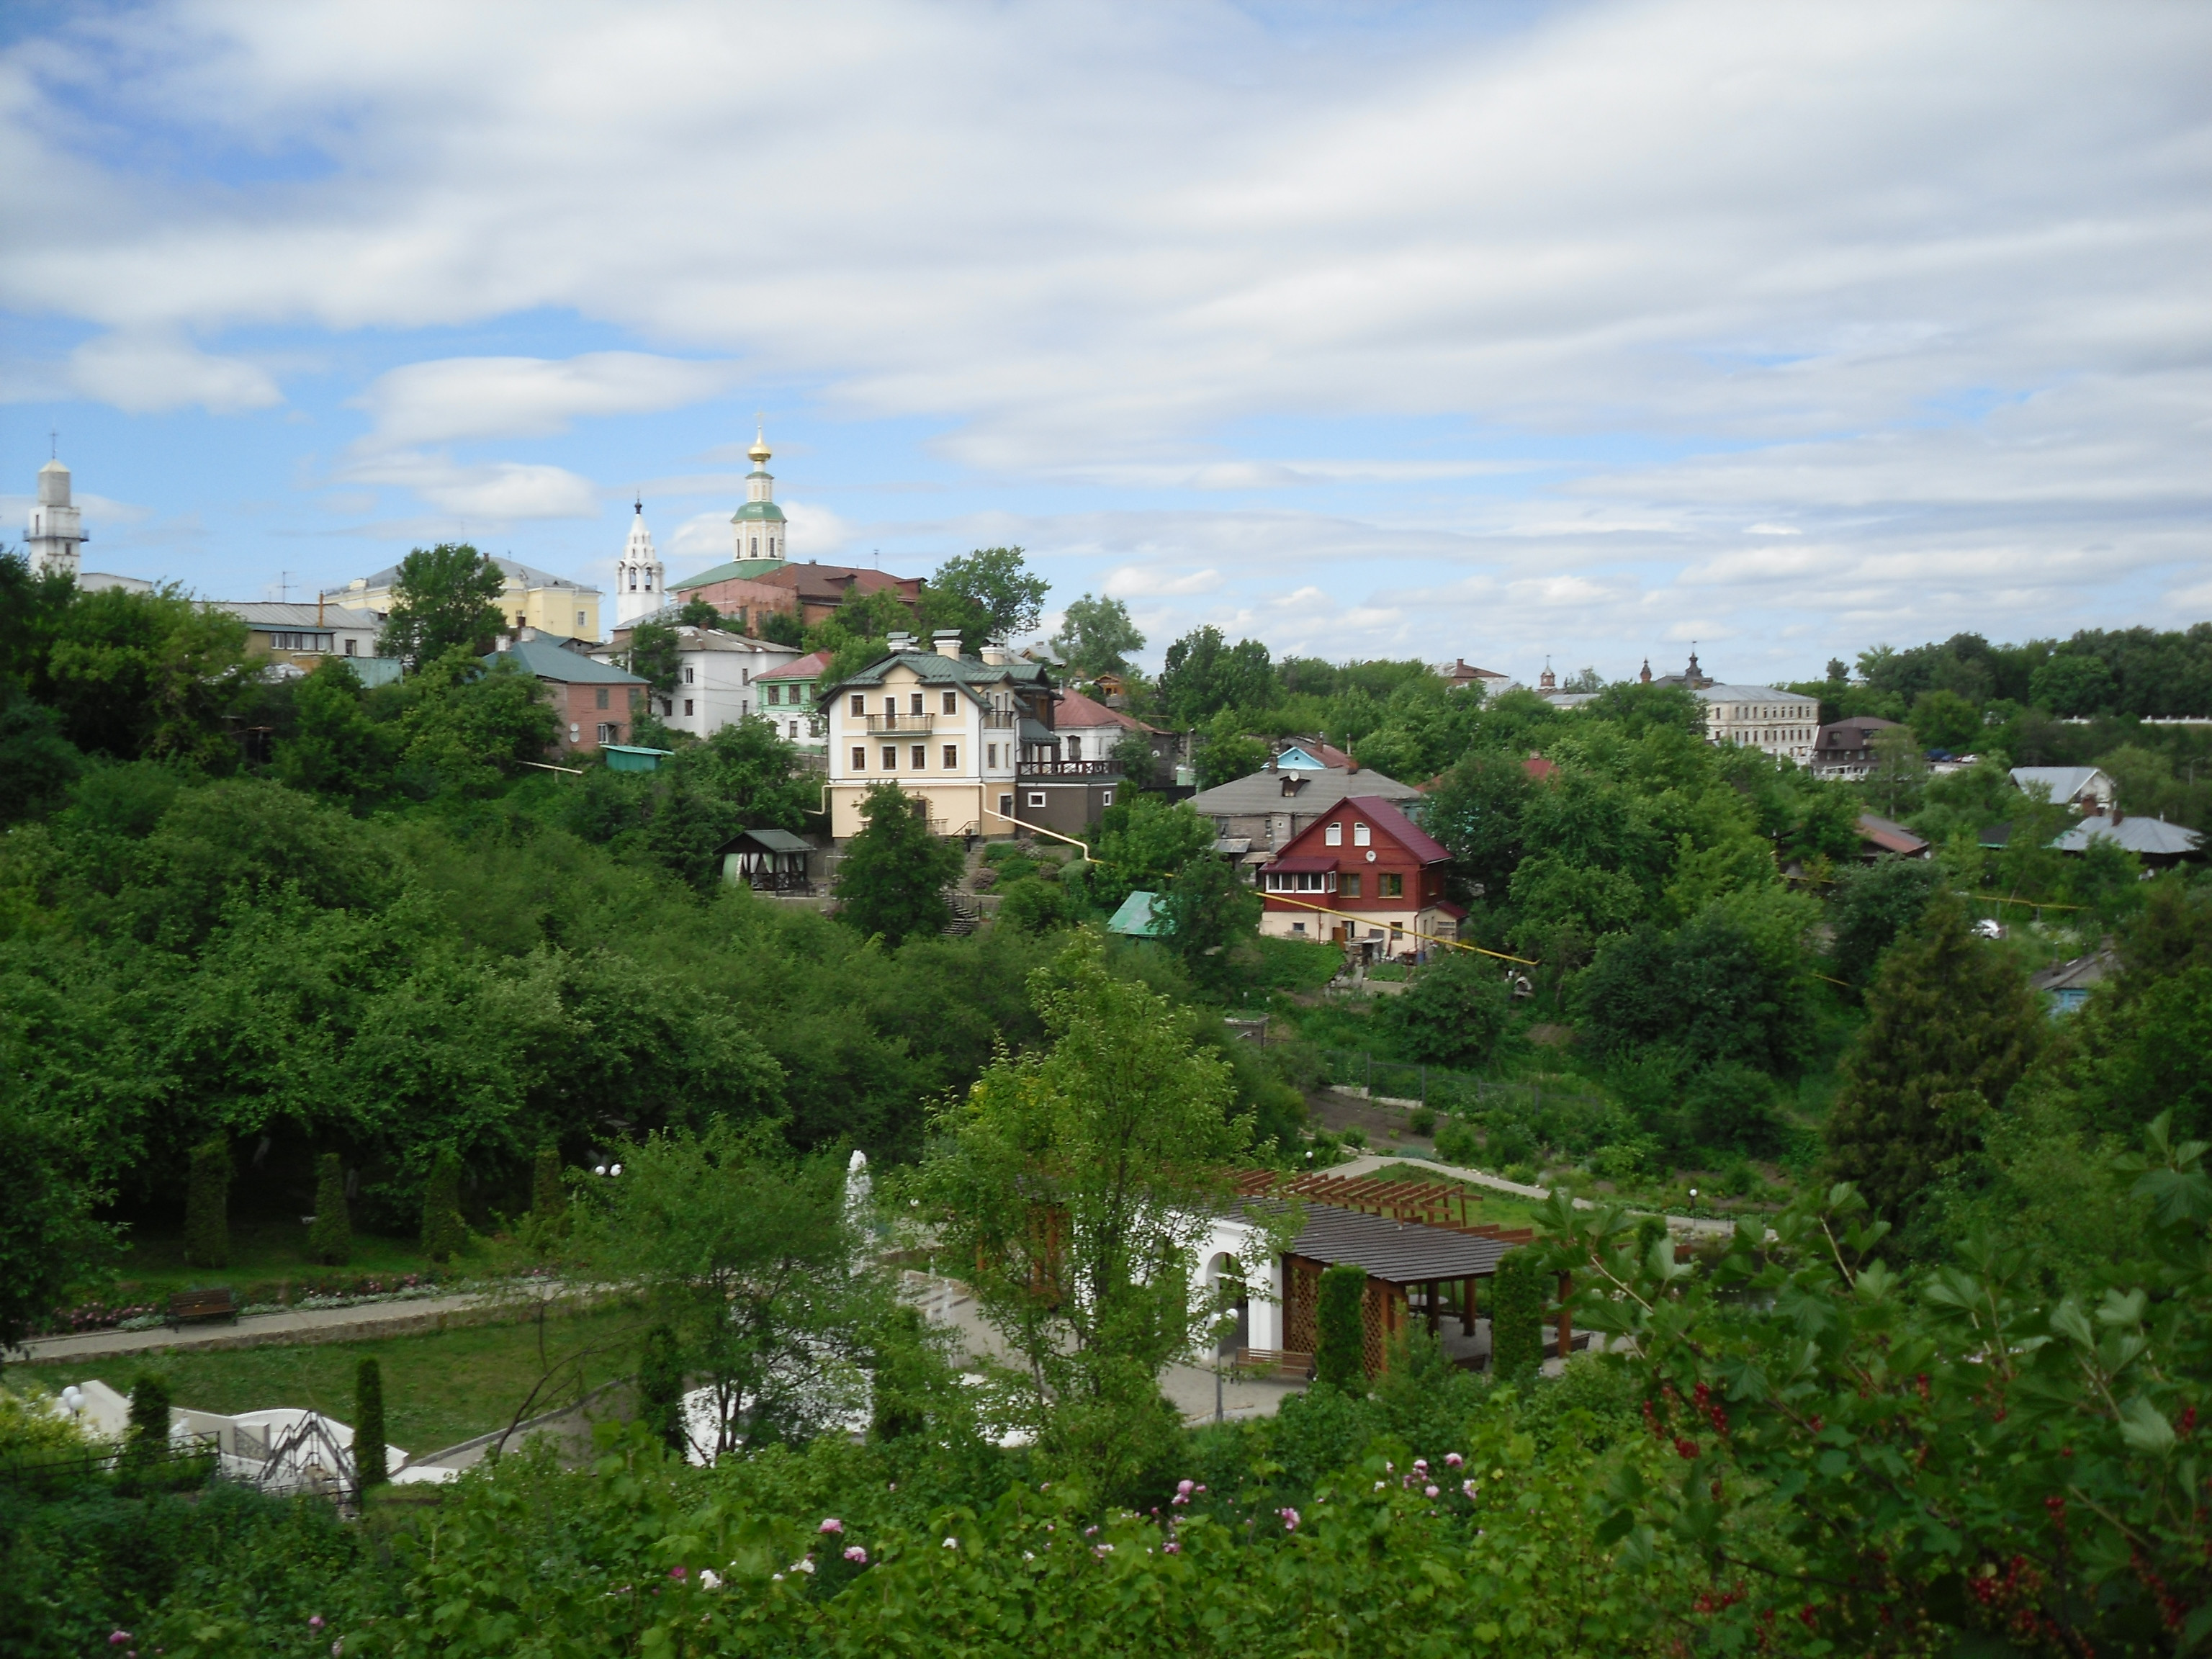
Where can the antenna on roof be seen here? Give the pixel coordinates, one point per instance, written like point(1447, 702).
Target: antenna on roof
point(53, 443)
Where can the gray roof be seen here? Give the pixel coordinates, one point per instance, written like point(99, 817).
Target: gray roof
point(272, 613)
point(2152, 836)
point(1262, 792)
point(776, 841)
point(2078, 975)
point(1397, 1252)
point(549, 661)
point(1752, 694)
point(2066, 783)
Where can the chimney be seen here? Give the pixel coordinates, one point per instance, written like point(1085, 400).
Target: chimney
point(900, 641)
point(996, 655)
point(1351, 763)
point(947, 641)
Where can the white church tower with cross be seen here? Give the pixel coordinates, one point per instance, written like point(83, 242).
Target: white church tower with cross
point(54, 537)
point(640, 584)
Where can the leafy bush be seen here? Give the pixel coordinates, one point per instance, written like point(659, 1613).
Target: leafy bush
point(1032, 906)
point(1458, 1143)
point(1453, 1014)
point(660, 1387)
point(330, 1240)
point(1517, 1315)
point(445, 1234)
point(1340, 1360)
point(1421, 1121)
point(207, 1205)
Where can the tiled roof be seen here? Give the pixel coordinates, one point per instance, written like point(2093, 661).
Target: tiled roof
point(1262, 792)
point(1889, 836)
point(548, 661)
point(1078, 710)
point(808, 667)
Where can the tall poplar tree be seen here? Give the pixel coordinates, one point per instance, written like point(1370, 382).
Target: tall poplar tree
point(1951, 1026)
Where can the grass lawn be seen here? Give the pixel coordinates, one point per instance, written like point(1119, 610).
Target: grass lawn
point(439, 1388)
point(265, 1256)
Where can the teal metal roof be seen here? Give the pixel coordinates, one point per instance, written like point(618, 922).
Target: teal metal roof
point(1138, 917)
point(728, 570)
point(553, 662)
point(633, 758)
point(758, 510)
point(933, 669)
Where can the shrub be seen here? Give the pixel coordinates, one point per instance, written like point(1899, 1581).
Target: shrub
point(329, 1241)
point(1508, 1143)
point(1422, 1121)
point(660, 1388)
point(548, 1202)
point(148, 1435)
point(1516, 1316)
point(1340, 1360)
point(370, 1469)
point(207, 1205)
point(1453, 1015)
point(1457, 1142)
point(1355, 1137)
point(444, 1232)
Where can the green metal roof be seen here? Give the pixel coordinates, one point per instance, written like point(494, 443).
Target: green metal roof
point(1138, 917)
point(767, 510)
point(934, 670)
point(553, 662)
point(728, 570)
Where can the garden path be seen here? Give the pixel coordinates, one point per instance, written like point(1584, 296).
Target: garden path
point(252, 1330)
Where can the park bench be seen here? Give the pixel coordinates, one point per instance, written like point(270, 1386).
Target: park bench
point(202, 1305)
point(1276, 1362)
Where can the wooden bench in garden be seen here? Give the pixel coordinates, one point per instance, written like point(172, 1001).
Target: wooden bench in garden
point(1276, 1362)
point(202, 1305)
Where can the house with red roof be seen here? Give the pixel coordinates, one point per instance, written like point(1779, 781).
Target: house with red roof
point(1086, 729)
point(787, 700)
point(1361, 873)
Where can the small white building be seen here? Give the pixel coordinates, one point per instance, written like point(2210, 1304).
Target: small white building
point(716, 685)
point(2088, 790)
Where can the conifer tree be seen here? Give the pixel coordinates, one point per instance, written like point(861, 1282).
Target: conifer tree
point(329, 1241)
point(444, 1232)
point(370, 1469)
point(1517, 1315)
point(660, 1388)
point(1341, 1358)
point(146, 1438)
point(207, 1205)
point(1951, 1026)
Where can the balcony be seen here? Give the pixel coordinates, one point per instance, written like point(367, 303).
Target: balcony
point(1001, 719)
point(1068, 768)
point(890, 723)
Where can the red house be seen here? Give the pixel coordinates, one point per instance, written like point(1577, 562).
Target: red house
point(1363, 873)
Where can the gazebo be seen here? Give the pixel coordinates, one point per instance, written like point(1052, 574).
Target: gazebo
point(766, 860)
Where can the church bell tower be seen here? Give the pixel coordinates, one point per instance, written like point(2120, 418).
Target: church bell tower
point(55, 532)
point(759, 523)
point(639, 581)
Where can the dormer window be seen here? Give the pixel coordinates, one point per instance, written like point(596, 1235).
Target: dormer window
point(1334, 835)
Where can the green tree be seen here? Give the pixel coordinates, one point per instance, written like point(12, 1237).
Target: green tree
point(1204, 675)
point(1134, 758)
point(1339, 1319)
point(989, 595)
point(334, 748)
point(48, 1240)
point(1097, 637)
point(1899, 772)
point(146, 1440)
point(1475, 811)
point(1951, 1027)
point(745, 1252)
point(1080, 1180)
point(330, 1240)
point(1871, 904)
point(1944, 720)
point(37, 763)
point(653, 657)
point(779, 628)
point(549, 1200)
point(444, 1231)
point(147, 674)
point(660, 1388)
point(371, 1466)
point(2073, 683)
point(701, 613)
point(1455, 1013)
point(1212, 919)
point(465, 727)
point(1519, 1292)
point(892, 878)
point(1033, 905)
point(445, 598)
point(1226, 752)
point(1144, 843)
point(858, 631)
point(207, 1204)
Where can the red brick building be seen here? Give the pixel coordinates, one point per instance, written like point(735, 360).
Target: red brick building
point(745, 589)
point(1362, 873)
point(597, 702)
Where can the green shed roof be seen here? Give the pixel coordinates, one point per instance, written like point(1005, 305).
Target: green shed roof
point(1138, 917)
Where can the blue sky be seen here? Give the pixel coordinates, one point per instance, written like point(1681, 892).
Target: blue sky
point(1508, 332)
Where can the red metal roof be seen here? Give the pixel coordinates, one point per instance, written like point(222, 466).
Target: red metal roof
point(808, 667)
point(1303, 864)
point(1890, 837)
point(1075, 709)
point(1400, 828)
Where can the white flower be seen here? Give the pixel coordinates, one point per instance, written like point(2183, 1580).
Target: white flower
point(952, 1543)
point(709, 1579)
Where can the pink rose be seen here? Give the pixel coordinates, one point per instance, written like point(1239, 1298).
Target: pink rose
point(833, 1524)
point(856, 1555)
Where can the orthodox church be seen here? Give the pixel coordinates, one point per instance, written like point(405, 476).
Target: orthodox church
point(640, 580)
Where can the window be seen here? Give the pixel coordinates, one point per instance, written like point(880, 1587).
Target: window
point(1298, 928)
point(1389, 887)
point(690, 676)
point(755, 547)
point(1302, 881)
point(1005, 806)
point(859, 758)
point(952, 702)
point(774, 696)
point(951, 759)
point(991, 754)
point(1334, 835)
point(687, 710)
point(602, 696)
point(1348, 884)
point(921, 756)
point(1075, 749)
point(1360, 834)
point(794, 730)
point(579, 615)
point(916, 701)
point(890, 758)
point(633, 581)
point(610, 734)
point(349, 646)
point(891, 707)
point(859, 705)
point(1036, 797)
point(1107, 800)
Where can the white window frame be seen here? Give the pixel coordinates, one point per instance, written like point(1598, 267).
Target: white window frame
point(1038, 797)
point(1361, 836)
point(1332, 835)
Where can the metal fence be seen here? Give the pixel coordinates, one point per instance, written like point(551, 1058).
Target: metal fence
point(188, 1462)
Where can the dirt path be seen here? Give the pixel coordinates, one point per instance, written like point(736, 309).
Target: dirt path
point(292, 1325)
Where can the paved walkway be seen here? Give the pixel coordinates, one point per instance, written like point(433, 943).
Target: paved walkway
point(1376, 1162)
point(430, 1313)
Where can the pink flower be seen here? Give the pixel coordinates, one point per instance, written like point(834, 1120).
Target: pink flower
point(1185, 1487)
point(833, 1524)
point(1171, 1547)
point(678, 1573)
point(1428, 1492)
point(1468, 1487)
point(1179, 1498)
point(118, 1638)
point(856, 1555)
point(1290, 1519)
point(1420, 1465)
point(1198, 1488)
point(315, 1621)
point(1453, 1459)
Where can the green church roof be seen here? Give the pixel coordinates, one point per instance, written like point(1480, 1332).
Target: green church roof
point(761, 512)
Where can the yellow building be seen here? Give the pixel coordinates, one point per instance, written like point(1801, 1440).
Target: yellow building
point(533, 599)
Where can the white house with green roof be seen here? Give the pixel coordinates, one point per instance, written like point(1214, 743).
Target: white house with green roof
point(969, 739)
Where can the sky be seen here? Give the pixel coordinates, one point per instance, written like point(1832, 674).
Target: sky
point(1515, 332)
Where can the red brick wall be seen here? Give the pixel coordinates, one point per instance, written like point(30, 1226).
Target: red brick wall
point(578, 706)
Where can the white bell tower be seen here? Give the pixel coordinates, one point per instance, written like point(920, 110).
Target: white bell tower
point(55, 532)
point(640, 582)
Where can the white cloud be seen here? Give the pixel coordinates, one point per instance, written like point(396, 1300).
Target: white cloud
point(1136, 581)
point(152, 372)
point(496, 490)
point(458, 398)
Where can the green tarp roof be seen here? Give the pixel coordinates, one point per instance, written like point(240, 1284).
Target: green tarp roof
point(1138, 917)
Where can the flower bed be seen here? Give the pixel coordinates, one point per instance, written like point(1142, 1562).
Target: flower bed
point(330, 1290)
